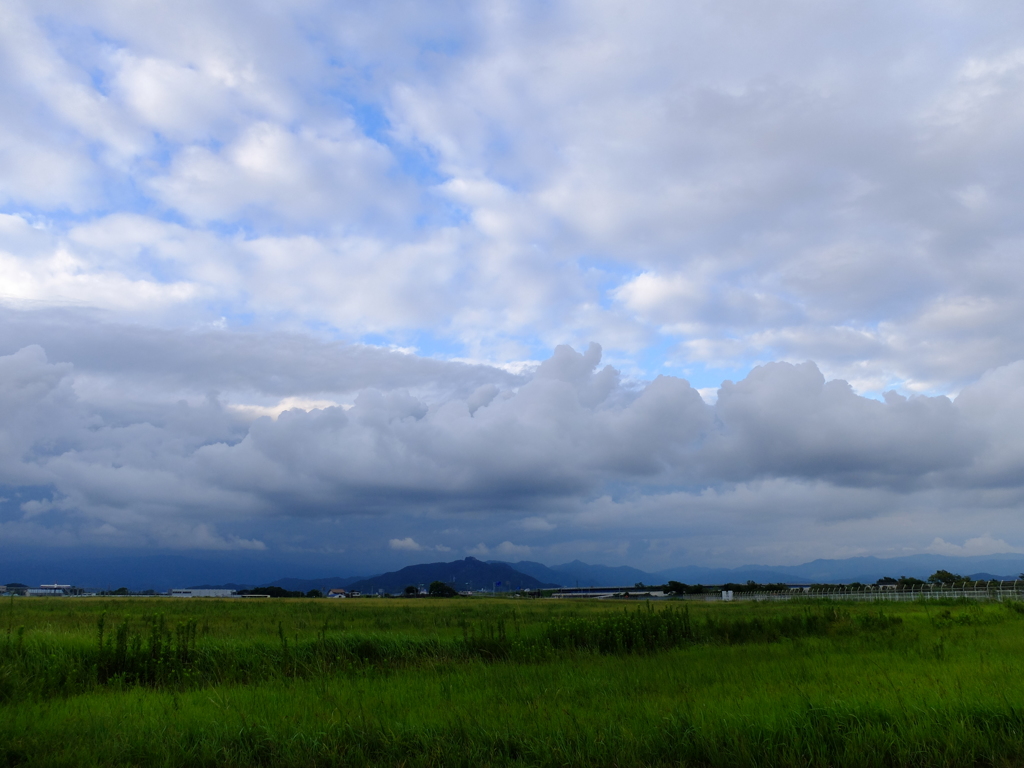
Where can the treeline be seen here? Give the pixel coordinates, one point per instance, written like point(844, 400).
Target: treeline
point(436, 589)
point(940, 578)
point(679, 588)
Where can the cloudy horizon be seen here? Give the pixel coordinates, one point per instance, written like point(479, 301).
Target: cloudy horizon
point(381, 284)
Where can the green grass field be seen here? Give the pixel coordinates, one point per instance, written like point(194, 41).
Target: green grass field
point(508, 682)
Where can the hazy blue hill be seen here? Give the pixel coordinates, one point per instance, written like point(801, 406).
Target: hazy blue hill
point(539, 571)
point(578, 572)
point(585, 575)
point(324, 584)
point(110, 569)
point(462, 574)
point(695, 574)
point(862, 569)
point(293, 585)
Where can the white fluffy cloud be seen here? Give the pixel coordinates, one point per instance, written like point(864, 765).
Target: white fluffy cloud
point(407, 544)
point(335, 175)
point(979, 545)
point(723, 185)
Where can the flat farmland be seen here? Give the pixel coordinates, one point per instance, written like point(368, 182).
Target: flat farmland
point(434, 682)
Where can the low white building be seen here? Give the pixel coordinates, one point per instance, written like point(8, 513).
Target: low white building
point(203, 593)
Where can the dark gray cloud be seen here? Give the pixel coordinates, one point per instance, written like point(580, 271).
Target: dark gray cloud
point(538, 461)
point(267, 363)
point(785, 420)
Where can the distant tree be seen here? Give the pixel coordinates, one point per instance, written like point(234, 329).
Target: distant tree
point(750, 586)
point(314, 593)
point(909, 581)
point(440, 589)
point(885, 580)
point(411, 591)
point(679, 588)
point(120, 591)
point(945, 577)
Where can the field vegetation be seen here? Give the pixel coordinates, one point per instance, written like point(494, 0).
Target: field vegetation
point(121, 681)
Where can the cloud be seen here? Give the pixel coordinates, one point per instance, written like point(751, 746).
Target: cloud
point(204, 537)
point(779, 187)
point(36, 268)
point(216, 214)
point(779, 448)
point(786, 420)
point(406, 545)
point(409, 545)
point(508, 549)
point(980, 545)
point(180, 101)
point(277, 364)
point(537, 524)
point(269, 172)
point(571, 428)
point(287, 404)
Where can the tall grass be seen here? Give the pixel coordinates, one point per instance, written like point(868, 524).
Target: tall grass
point(516, 684)
point(150, 652)
point(819, 701)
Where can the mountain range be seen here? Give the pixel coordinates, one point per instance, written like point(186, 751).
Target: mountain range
point(863, 569)
point(580, 574)
point(162, 572)
point(474, 574)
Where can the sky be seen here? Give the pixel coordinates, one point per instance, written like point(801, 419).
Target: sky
point(367, 284)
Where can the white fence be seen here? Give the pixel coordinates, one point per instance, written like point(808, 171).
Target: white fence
point(996, 591)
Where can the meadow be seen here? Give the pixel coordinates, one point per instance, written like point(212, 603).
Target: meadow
point(434, 682)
